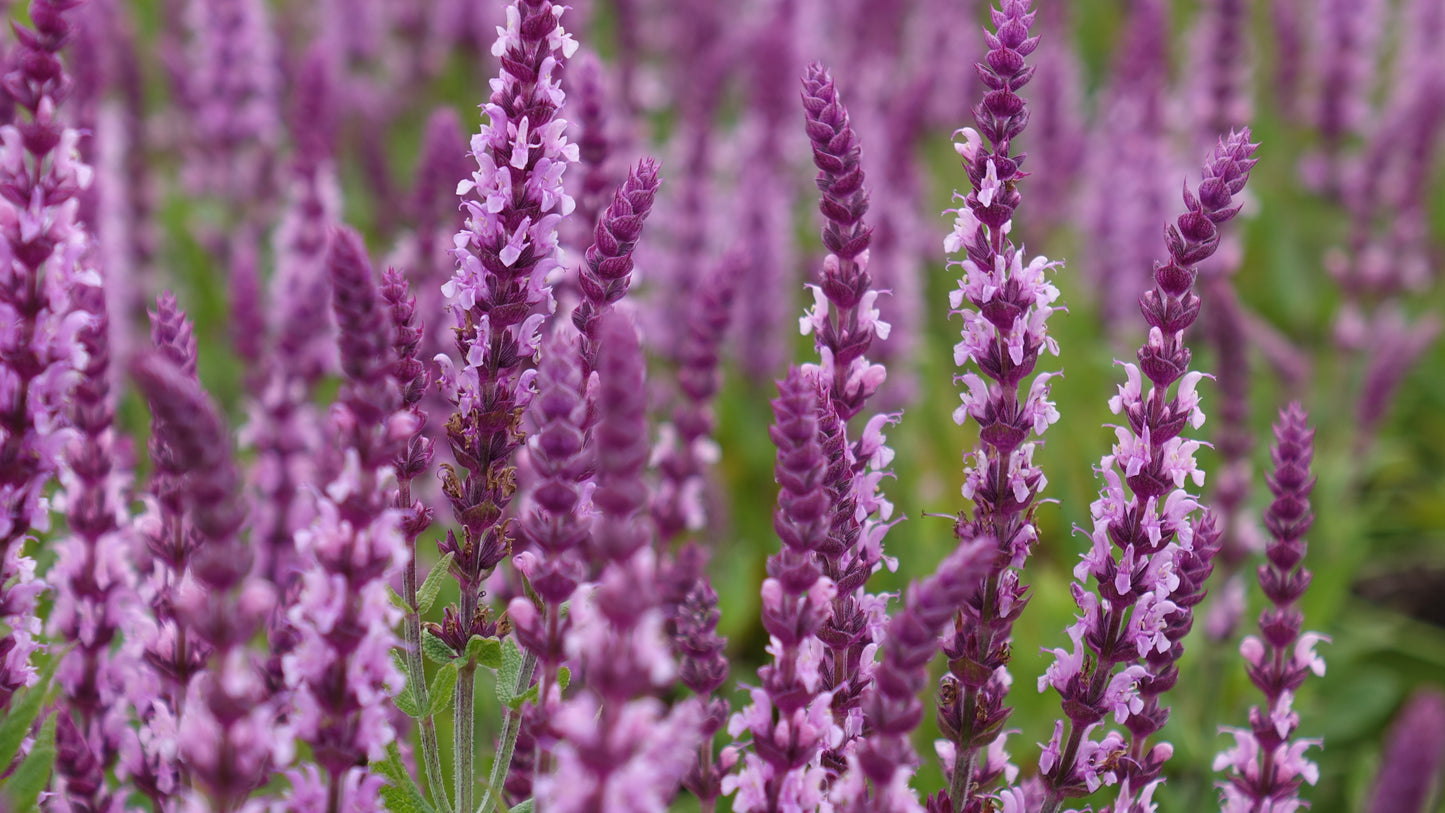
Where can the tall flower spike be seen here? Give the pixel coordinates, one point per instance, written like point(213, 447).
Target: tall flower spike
point(844, 321)
point(231, 85)
point(678, 504)
point(340, 670)
point(886, 757)
point(789, 716)
point(94, 579)
point(284, 428)
point(1145, 523)
point(497, 298)
point(41, 266)
point(1005, 301)
point(618, 748)
point(1266, 766)
point(157, 638)
point(554, 518)
point(607, 272)
point(225, 735)
point(1414, 759)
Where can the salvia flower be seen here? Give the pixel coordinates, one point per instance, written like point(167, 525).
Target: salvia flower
point(618, 748)
point(514, 201)
point(886, 757)
point(1267, 764)
point(225, 735)
point(554, 520)
point(232, 86)
point(1144, 520)
point(95, 579)
point(844, 321)
point(790, 718)
point(1414, 758)
point(607, 272)
point(157, 636)
point(1005, 301)
point(284, 428)
point(340, 670)
point(41, 267)
point(687, 445)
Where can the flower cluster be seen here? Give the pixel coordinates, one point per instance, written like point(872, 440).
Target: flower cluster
point(891, 707)
point(504, 254)
point(1145, 522)
point(1005, 302)
point(790, 719)
point(42, 266)
point(844, 322)
point(340, 670)
point(618, 747)
point(1266, 766)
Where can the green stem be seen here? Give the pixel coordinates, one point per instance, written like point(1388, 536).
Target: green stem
point(464, 764)
point(416, 679)
point(511, 727)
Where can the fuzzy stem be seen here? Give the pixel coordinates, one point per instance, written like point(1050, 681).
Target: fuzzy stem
point(511, 727)
point(464, 762)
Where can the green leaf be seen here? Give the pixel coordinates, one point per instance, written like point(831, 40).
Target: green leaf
point(401, 793)
point(427, 593)
point(24, 786)
point(398, 800)
point(485, 651)
point(523, 807)
point(507, 672)
point(397, 599)
point(406, 701)
point(435, 649)
point(564, 677)
point(442, 687)
point(24, 710)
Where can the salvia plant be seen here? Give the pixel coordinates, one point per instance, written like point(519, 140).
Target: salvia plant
point(361, 453)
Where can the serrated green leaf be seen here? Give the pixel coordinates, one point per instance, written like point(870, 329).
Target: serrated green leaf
point(485, 651)
point(24, 710)
point(523, 807)
point(24, 786)
point(435, 649)
point(397, 599)
point(401, 793)
point(427, 593)
point(406, 701)
point(507, 673)
point(564, 678)
point(398, 800)
point(442, 687)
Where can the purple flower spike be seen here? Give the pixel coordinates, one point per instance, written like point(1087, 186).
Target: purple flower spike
point(231, 84)
point(1149, 546)
point(617, 747)
point(688, 447)
point(1005, 301)
point(608, 271)
point(41, 267)
point(1266, 766)
point(514, 201)
point(227, 753)
point(340, 670)
point(158, 638)
point(1414, 758)
point(886, 757)
point(554, 522)
point(790, 718)
point(844, 337)
point(844, 320)
point(94, 579)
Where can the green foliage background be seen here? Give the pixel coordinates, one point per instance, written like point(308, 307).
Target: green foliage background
point(1378, 512)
